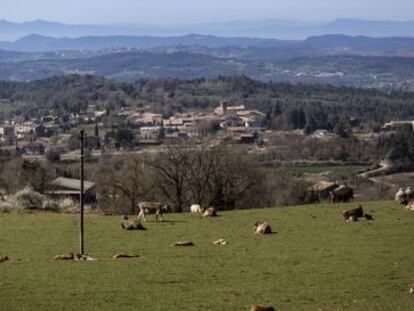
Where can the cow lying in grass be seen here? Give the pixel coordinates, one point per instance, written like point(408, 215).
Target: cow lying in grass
point(355, 213)
point(210, 212)
point(4, 259)
point(126, 224)
point(261, 308)
point(68, 256)
point(156, 207)
point(262, 228)
point(71, 256)
point(410, 205)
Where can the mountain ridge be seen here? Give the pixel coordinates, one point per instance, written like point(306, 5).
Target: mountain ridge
point(40, 43)
point(267, 28)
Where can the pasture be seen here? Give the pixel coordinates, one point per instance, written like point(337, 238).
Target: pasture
point(315, 261)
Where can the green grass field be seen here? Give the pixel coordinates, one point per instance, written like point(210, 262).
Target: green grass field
point(315, 261)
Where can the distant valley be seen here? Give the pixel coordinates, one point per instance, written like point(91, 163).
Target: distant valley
point(384, 63)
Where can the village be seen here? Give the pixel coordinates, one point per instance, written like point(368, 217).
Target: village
point(54, 134)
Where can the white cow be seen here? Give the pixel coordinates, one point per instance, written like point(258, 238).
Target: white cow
point(400, 195)
point(195, 208)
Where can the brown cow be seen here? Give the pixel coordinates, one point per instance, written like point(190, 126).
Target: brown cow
point(4, 259)
point(68, 256)
point(353, 214)
point(261, 308)
point(262, 228)
point(342, 194)
point(132, 225)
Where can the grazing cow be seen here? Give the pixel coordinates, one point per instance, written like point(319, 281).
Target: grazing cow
point(159, 208)
point(353, 214)
point(262, 228)
point(401, 197)
point(210, 212)
point(195, 208)
point(68, 256)
point(261, 308)
point(342, 194)
point(412, 289)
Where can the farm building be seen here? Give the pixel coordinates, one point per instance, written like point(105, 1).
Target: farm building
point(62, 188)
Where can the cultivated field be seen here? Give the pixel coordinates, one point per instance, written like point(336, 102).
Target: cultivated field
point(316, 261)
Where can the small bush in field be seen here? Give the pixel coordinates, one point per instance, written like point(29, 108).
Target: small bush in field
point(27, 199)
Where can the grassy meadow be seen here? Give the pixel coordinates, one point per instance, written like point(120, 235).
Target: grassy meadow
point(315, 261)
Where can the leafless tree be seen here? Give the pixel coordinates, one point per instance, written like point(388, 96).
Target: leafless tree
point(127, 178)
point(170, 173)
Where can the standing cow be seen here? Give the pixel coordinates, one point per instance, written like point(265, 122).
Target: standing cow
point(158, 208)
point(195, 208)
point(342, 194)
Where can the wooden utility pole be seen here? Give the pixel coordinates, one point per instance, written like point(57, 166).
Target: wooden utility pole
point(81, 228)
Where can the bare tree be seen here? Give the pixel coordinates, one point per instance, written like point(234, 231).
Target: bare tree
point(199, 172)
point(233, 175)
point(128, 178)
point(171, 168)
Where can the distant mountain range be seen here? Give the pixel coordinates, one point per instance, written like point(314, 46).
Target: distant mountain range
point(276, 29)
point(328, 44)
point(39, 43)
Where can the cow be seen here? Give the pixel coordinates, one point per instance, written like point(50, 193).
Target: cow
point(261, 308)
point(410, 205)
point(353, 214)
point(195, 208)
point(68, 256)
point(210, 212)
point(4, 259)
point(132, 225)
point(401, 197)
point(159, 208)
point(342, 194)
point(409, 193)
point(79, 257)
point(412, 289)
point(262, 228)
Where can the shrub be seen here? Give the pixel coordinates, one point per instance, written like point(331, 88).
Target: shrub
point(28, 199)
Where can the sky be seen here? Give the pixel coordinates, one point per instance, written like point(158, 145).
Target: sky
point(201, 11)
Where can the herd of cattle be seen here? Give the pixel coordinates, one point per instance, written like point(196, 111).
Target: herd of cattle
point(342, 194)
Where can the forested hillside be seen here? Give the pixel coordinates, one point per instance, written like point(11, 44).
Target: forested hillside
point(287, 106)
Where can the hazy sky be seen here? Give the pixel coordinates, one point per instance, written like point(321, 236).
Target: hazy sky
point(201, 11)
